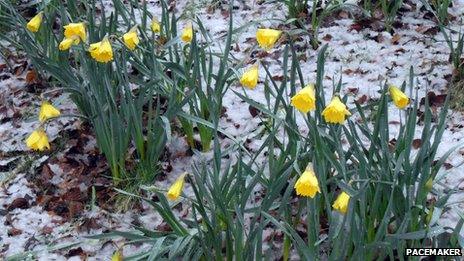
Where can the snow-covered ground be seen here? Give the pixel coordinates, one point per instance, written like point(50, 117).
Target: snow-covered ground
point(365, 57)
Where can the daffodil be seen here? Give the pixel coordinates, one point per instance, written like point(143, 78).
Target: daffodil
point(250, 78)
point(101, 51)
point(117, 256)
point(66, 43)
point(267, 37)
point(34, 24)
point(187, 34)
point(341, 203)
point(307, 185)
point(399, 98)
point(131, 39)
point(47, 111)
point(155, 25)
point(176, 188)
point(305, 99)
point(75, 29)
point(38, 140)
point(336, 111)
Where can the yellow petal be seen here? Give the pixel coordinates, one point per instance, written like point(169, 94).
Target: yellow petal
point(187, 34)
point(305, 99)
point(75, 29)
point(341, 203)
point(131, 40)
point(155, 25)
point(336, 111)
point(34, 24)
point(250, 78)
point(47, 111)
point(38, 140)
point(176, 188)
point(117, 256)
point(307, 185)
point(101, 51)
point(267, 37)
point(66, 44)
point(399, 98)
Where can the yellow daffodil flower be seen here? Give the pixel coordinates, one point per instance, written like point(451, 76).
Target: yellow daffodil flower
point(34, 24)
point(75, 29)
point(47, 111)
point(399, 98)
point(155, 25)
point(187, 34)
point(176, 188)
point(66, 43)
point(307, 185)
point(38, 140)
point(336, 111)
point(267, 37)
point(305, 99)
point(131, 39)
point(101, 51)
point(341, 203)
point(250, 78)
point(117, 256)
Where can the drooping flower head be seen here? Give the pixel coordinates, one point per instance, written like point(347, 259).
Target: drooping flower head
point(267, 37)
point(341, 203)
point(131, 39)
point(307, 185)
point(34, 24)
point(336, 111)
point(75, 29)
point(47, 111)
point(155, 25)
point(187, 33)
point(67, 43)
point(38, 140)
point(101, 51)
point(305, 99)
point(399, 98)
point(176, 188)
point(249, 79)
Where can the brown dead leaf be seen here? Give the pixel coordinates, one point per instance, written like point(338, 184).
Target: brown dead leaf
point(31, 77)
point(416, 143)
point(395, 39)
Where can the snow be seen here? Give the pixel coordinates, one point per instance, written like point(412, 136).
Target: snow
point(366, 60)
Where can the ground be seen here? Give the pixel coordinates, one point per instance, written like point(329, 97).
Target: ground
point(47, 201)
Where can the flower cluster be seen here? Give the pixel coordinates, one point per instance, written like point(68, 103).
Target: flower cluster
point(75, 33)
point(307, 185)
point(38, 139)
point(305, 100)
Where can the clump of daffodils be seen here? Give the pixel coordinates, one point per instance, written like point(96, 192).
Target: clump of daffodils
point(399, 98)
point(250, 78)
point(305, 99)
point(101, 51)
point(74, 33)
point(307, 185)
point(336, 111)
point(38, 139)
point(267, 37)
point(176, 188)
